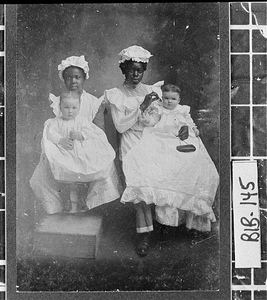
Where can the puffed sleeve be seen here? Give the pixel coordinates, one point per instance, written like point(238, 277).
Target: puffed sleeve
point(156, 87)
point(54, 104)
point(122, 120)
point(123, 117)
point(187, 115)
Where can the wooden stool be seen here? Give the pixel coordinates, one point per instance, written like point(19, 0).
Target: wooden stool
point(69, 235)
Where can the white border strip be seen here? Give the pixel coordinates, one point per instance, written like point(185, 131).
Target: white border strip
point(251, 287)
point(2, 288)
point(2, 262)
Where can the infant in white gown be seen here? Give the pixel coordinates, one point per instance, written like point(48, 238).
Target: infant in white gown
point(182, 185)
point(77, 150)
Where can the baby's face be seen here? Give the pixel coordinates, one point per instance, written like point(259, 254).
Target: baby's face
point(69, 108)
point(170, 100)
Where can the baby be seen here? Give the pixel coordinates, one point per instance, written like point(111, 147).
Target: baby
point(179, 183)
point(177, 118)
point(77, 150)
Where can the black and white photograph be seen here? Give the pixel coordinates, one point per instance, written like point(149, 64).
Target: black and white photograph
point(127, 119)
point(118, 147)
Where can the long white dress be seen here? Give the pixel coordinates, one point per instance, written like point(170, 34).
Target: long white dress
point(49, 191)
point(182, 185)
point(89, 160)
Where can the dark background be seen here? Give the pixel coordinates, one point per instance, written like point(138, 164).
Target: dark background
point(183, 38)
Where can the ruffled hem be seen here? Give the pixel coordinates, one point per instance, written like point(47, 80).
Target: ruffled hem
point(200, 205)
point(174, 217)
point(104, 191)
point(51, 192)
point(46, 189)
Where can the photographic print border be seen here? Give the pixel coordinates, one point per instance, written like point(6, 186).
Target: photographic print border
point(225, 233)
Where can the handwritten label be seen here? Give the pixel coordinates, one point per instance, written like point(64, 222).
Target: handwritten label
point(247, 240)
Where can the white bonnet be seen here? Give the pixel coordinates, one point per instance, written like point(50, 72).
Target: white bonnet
point(135, 53)
point(76, 61)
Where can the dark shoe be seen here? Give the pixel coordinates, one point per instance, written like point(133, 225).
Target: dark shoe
point(83, 208)
point(142, 248)
point(197, 235)
point(165, 230)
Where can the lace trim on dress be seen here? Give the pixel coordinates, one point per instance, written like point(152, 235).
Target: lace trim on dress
point(162, 197)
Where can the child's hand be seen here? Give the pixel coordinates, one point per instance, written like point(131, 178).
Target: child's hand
point(66, 143)
point(76, 135)
point(149, 98)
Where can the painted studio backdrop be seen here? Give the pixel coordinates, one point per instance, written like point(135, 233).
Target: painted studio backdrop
point(184, 41)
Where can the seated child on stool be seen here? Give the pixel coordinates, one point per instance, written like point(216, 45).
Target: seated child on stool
point(77, 150)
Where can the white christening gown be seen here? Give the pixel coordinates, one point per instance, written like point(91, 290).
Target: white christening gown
point(174, 181)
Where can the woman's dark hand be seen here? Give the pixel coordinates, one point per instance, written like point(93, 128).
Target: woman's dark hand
point(149, 98)
point(183, 132)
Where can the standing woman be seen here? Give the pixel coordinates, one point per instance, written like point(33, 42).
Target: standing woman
point(74, 70)
point(127, 102)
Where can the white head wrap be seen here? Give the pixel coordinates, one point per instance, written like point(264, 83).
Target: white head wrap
point(76, 61)
point(135, 53)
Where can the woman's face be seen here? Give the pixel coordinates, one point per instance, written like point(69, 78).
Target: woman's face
point(74, 79)
point(134, 73)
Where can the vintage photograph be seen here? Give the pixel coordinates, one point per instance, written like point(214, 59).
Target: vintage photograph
point(118, 147)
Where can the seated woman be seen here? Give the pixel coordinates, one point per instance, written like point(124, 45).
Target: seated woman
point(77, 150)
point(74, 71)
point(127, 101)
point(177, 176)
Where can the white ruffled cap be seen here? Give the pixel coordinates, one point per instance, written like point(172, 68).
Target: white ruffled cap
point(76, 61)
point(135, 53)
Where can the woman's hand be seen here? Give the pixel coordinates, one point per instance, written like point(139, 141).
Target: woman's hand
point(183, 132)
point(149, 98)
point(66, 143)
point(76, 135)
